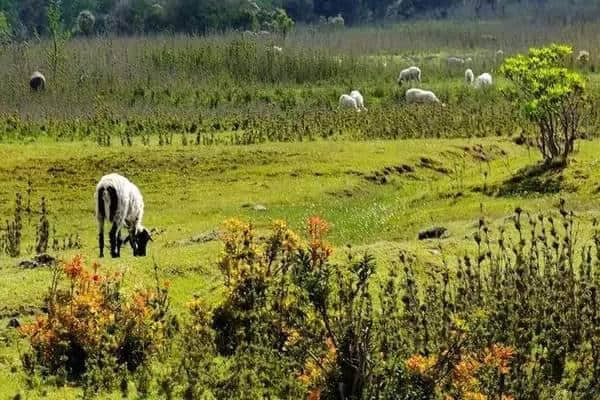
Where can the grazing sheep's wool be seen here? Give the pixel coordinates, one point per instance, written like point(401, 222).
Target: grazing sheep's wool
point(469, 77)
point(413, 96)
point(483, 80)
point(120, 202)
point(455, 61)
point(348, 102)
point(358, 98)
point(409, 74)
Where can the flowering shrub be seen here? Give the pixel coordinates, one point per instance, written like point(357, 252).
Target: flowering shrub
point(473, 375)
point(516, 318)
point(90, 322)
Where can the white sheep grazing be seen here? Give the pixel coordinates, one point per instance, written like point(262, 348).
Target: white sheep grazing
point(409, 74)
point(348, 102)
point(499, 55)
point(414, 96)
point(120, 202)
point(37, 81)
point(358, 98)
point(278, 49)
point(483, 80)
point(455, 62)
point(469, 77)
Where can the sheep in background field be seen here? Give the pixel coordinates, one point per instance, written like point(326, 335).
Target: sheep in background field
point(278, 49)
point(37, 81)
point(499, 56)
point(483, 80)
point(120, 202)
point(583, 57)
point(469, 77)
point(358, 98)
point(454, 62)
point(347, 101)
point(414, 96)
point(409, 74)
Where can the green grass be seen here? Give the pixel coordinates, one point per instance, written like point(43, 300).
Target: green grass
point(189, 191)
point(349, 179)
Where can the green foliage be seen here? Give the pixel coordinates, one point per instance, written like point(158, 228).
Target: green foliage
point(5, 29)
point(91, 333)
point(550, 95)
point(282, 21)
point(58, 34)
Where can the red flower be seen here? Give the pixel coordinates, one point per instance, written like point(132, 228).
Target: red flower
point(74, 268)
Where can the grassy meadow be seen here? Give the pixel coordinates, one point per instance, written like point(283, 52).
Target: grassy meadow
point(212, 128)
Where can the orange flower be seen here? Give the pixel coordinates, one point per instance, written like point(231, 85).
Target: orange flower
point(317, 228)
point(314, 394)
point(74, 268)
point(419, 364)
point(464, 373)
point(475, 396)
point(499, 356)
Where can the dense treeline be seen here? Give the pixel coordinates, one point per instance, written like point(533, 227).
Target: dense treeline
point(25, 18)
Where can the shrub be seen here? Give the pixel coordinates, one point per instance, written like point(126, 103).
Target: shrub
point(91, 328)
point(550, 95)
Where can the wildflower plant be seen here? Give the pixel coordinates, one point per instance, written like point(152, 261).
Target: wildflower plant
point(91, 324)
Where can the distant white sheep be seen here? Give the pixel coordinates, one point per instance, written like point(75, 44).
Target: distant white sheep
point(483, 80)
point(414, 96)
point(410, 74)
point(469, 76)
point(347, 101)
point(120, 202)
point(454, 62)
point(37, 81)
point(358, 98)
point(583, 57)
point(278, 49)
point(499, 55)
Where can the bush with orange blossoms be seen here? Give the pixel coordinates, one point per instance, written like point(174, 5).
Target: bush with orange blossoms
point(472, 375)
point(90, 321)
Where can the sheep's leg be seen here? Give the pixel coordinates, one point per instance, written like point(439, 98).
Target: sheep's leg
point(114, 245)
point(101, 237)
point(118, 240)
point(132, 241)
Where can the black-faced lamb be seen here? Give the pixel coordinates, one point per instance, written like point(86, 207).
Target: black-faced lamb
point(120, 202)
point(37, 81)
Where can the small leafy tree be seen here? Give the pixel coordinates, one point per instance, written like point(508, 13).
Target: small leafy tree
point(5, 29)
point(283, 22)
point(58, 35)
point(550, 95)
